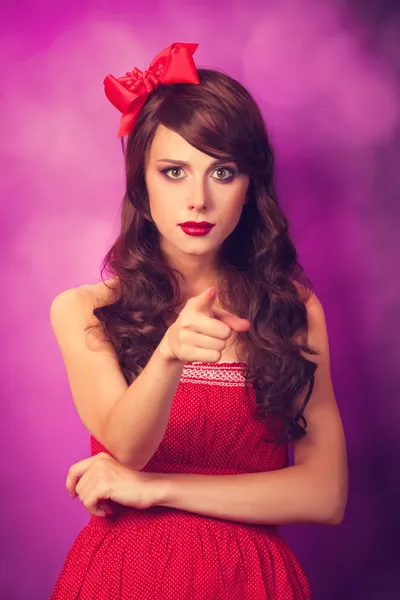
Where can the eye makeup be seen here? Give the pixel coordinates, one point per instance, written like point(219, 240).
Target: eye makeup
point(232, 173)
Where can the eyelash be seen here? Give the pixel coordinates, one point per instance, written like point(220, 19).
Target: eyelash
point(233, 172)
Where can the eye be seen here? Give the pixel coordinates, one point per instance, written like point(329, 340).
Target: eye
point(225, 173)
point(174, 171)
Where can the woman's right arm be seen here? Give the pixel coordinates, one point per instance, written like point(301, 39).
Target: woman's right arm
point(129, 421)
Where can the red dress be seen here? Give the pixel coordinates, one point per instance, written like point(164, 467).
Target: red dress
point(167, 554)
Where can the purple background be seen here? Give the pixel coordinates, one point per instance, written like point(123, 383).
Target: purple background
point(326, 75)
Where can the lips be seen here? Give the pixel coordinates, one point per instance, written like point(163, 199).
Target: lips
point(194, 225)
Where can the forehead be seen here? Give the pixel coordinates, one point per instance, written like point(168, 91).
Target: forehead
point(169, 144)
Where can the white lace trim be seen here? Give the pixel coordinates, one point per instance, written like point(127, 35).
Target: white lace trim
point(223, 373)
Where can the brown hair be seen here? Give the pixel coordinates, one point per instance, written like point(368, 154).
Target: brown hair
point(261, 279)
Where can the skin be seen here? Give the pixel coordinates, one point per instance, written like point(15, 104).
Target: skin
point(315, 488)
point(198, 191)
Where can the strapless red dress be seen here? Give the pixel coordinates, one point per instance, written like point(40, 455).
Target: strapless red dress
point(168, 554)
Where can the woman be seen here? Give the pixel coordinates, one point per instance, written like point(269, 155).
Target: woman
point(197, 362)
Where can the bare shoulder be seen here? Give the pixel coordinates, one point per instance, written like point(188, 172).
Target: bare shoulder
point(317, 329)
point(92, 366)
point(90, 296)
point(98, 294)
point(95, 294)
point(317, 335)
point(76, 305)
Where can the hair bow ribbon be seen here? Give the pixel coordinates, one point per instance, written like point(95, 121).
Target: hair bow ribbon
point(128, 94)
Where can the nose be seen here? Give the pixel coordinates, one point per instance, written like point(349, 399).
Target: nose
point(198, 194)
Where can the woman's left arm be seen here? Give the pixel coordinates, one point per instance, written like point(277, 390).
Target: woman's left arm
point(313, 490)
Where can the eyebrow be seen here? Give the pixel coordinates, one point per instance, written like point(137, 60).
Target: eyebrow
point(186, 164)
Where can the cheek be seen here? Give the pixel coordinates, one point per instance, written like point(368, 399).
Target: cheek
point(235, 204)
point(163, 208)
point(157, 199)
point(237, 198)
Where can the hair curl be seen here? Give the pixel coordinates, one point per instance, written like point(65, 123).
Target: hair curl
point(261, 278)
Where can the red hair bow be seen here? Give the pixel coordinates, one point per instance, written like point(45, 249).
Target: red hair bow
point(173, 65)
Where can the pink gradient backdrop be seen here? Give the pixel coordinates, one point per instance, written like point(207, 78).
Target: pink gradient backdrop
point(326, 75)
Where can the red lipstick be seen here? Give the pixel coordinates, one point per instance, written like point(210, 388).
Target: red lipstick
point(196, 224)
point(196, 228)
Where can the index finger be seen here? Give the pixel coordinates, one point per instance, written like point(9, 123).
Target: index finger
point(213, 327)
point(232, 320)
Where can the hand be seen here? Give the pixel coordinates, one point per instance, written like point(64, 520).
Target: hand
point(201, 330)
point(101, 477)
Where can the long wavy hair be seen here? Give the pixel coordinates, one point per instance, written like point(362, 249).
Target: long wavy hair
point(260, 277)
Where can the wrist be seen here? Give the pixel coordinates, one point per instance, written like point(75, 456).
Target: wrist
point(165, 351)
point(160, 488)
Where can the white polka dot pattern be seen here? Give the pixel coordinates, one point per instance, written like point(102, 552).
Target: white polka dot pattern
point(167, 554)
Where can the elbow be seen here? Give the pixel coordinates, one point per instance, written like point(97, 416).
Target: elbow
point(132, 463)
point(336, 509)
point(128, 459)
point(335, 517)
point(136, 461)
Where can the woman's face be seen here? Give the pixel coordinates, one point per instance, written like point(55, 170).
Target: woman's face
point(185, 184)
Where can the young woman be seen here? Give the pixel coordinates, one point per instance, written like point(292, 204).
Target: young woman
point(197, 362)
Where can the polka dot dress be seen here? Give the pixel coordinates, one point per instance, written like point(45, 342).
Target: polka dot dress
point(167, 554)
